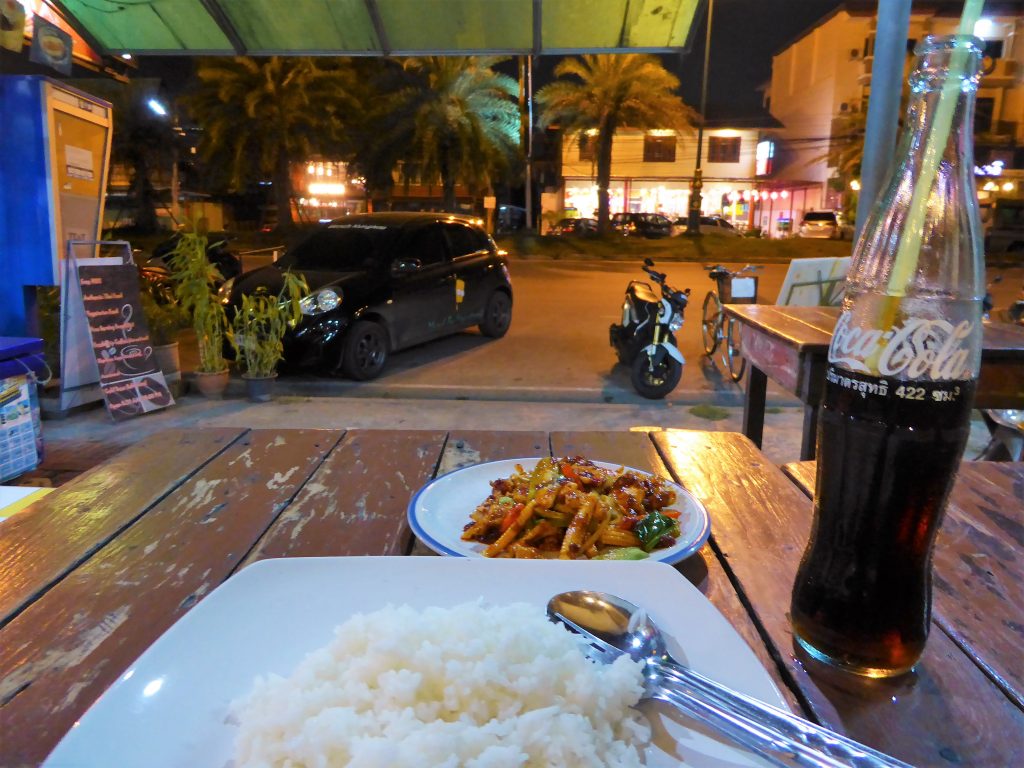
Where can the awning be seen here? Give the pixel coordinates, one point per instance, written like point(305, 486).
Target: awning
point(382, 27)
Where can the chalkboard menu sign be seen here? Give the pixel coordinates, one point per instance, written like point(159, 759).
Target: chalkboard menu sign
point(128, 374)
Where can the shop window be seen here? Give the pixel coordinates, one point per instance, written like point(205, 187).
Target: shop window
point(723, 149)
point(588, 147)
point(659, 149)
point(984, 111)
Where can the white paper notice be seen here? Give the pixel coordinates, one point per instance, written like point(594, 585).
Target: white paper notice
point(79, 161)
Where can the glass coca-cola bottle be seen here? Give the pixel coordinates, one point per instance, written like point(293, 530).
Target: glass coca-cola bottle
point(899, 387)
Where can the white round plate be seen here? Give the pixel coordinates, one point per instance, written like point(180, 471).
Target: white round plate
point(440, 510)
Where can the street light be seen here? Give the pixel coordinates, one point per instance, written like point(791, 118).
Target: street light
point(693, 214)
point(157, 108)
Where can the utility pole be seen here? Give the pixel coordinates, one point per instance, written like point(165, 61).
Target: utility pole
point(693, 214)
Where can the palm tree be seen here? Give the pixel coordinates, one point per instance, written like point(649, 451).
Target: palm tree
point(260, 115)
point(454, 119)
point(605, 92)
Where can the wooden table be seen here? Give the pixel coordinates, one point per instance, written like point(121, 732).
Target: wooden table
point(93, 573)
point(789, 345)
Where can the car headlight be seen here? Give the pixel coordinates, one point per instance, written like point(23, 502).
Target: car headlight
point(676, 322)
point(320, 302)
point(224, 292)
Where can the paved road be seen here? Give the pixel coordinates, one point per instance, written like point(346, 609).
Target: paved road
point(557, 348)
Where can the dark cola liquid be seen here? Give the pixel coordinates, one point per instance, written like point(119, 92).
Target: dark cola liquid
point(862, 596)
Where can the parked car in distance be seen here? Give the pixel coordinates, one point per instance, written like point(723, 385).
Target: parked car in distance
point(825, 224)
point(381, 282)
point(574, 227)
point(709, 225)
point(649, 225)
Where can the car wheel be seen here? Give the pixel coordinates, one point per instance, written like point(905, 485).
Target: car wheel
point(365, 352)
point(497, 315)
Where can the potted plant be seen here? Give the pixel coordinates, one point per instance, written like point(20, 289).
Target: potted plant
point(259, 325)
point(165, 321)
point(194, 287)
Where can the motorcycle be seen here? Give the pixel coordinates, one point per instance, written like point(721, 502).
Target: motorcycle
point(155, 270)
point(645, 341)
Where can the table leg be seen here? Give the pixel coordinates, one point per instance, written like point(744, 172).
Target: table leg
point(753, 405)
point(808, 441)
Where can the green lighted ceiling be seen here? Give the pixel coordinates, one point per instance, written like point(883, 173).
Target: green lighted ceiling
point(375, 27)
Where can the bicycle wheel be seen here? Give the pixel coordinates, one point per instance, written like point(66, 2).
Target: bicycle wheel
point(732, 356)
point(711, 323)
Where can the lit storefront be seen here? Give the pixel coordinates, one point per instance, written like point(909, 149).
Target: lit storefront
point(774, 207)
point(325, 192)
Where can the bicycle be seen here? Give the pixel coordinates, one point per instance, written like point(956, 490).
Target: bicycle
point(733, 287)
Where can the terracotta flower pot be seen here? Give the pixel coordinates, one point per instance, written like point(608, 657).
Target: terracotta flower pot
point(212, 385)
point(259, 388)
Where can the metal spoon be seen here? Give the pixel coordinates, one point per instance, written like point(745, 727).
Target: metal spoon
point(615, 626)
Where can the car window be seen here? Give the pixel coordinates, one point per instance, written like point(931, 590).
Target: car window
point(427, 244)
point(338, 249)
point(464, 240)
point(827, 216)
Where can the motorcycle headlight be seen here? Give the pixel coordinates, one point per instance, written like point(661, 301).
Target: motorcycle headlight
point(676, 322)
point(224, 292)
point(320, 302)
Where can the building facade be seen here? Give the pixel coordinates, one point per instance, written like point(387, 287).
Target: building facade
point(652, 172)
point(825, 75)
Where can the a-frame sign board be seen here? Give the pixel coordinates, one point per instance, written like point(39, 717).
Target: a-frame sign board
point(106, 352)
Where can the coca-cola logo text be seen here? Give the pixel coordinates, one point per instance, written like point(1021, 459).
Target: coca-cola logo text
point(934, 349)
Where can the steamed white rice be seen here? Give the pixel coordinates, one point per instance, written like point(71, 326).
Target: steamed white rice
point(473, 685)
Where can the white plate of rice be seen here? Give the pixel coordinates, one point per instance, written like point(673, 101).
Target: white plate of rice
point(439, 662)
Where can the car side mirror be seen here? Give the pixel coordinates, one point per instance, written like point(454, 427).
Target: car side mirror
point(405, 267)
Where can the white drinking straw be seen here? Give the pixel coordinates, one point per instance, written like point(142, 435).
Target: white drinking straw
point(910, 240)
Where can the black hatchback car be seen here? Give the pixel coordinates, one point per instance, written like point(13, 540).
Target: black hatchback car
point(382, 282)
point(649, 225)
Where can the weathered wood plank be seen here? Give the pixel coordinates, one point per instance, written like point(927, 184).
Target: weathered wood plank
point(946, 711)
point(802, 473)
point(777, 358)
point(61, 652)
point(473, 447)
point(67, 526)
point(356, 502)
point(1004, 339)
point(1005, 475)
point(784, 323)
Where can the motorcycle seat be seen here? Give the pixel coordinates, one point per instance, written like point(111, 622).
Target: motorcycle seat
point(643, 292)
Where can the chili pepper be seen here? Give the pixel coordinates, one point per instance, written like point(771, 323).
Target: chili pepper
point(511, 516)
point(570, 473)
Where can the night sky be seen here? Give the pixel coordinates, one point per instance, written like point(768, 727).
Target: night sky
point(744, 36)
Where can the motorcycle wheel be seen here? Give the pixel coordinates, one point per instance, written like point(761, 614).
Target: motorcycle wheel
point(654, 381)
point(733, 358)
point(711, 324)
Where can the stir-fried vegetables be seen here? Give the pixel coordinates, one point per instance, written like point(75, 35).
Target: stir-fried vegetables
point(570, 508)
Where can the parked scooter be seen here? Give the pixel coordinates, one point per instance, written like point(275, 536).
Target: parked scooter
point(646, 339)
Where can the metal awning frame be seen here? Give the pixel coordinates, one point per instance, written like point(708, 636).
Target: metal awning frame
point(223, 22)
